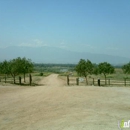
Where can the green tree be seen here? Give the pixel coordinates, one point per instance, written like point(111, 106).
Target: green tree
point(5, 68)
point(20, 66)
point(84, 68)
point(0, 70)
point(105, 68)
point(14, 67)
point(27, 66)
point(0, 67)
point(126, 68)
point(95, 69)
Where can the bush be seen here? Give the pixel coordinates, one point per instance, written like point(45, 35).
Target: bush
point(41, 74)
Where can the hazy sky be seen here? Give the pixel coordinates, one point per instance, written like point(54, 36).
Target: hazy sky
point(98, 26)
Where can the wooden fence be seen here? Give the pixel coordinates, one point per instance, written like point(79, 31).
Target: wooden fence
point(18, 80)
point(94, 81)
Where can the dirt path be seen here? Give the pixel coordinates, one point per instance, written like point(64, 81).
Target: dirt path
point(55, 106)
point(52, 80)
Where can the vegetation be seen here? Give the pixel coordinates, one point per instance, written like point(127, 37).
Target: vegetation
point(126, 68)
point(105, 68)
point(16, 66)
point(54, 68)
point(27, 66)
point(4, 68)
point(84, 68)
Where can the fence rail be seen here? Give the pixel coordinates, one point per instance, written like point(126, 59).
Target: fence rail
point(94, 81)
point(18, 80)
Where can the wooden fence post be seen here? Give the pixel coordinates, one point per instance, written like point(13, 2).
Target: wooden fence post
point(67, 79)
point(109, 81)
point(30, 79)
point(5, 78)
point(125, 81)
point(98, 82)
point(93, 81)
point(77, 81)
point(20, 80)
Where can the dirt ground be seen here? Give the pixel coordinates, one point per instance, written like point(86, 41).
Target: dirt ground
point(55, 106)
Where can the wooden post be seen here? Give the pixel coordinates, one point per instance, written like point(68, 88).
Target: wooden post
point(20, 80)
point(30, 79)
point(5, 78)
point(77, 81)
point(125, 81)
point(93, 81)
point(67, 79)
point(109, 81)
point(98, 82)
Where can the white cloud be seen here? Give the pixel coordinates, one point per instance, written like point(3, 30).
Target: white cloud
point(33, 43)
point(62, 45)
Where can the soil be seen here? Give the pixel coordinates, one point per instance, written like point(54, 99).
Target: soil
point(55, 106)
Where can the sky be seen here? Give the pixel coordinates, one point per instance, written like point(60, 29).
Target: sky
point(96, 26)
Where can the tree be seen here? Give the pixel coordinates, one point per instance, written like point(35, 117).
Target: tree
point(84, 68)
point(20, 66)
point(126, 68)
point(14, 68)
point(105, 68)
point(27, 66)
point(0, 67)
point(95, 69)
point(5, 68)
point(0, 70)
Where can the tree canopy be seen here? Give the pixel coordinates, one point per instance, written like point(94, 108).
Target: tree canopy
point(126, 68)
point(84, 68)
point(5, 67)
point(16, 66)
point(105, 68)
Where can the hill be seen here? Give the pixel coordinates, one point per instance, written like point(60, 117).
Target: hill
point(56, 55)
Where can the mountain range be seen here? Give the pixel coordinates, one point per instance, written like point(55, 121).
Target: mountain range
point(47, 54)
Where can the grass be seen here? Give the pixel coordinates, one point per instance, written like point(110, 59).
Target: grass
point(35, 77)
point(116, 78)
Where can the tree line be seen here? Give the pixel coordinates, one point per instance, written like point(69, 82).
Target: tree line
point(86, 67)
point(15, 67)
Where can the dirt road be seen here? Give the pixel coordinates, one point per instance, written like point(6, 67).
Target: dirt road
point(55, 106)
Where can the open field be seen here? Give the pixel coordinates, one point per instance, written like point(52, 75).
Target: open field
point(55, 106)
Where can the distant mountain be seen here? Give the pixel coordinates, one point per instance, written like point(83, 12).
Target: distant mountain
point(56, 55)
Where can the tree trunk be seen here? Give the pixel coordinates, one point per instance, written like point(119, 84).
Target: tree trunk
point(13, 75)
point(14, 79)
point(105, 79)
point(5, 78)
point(86, 80)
